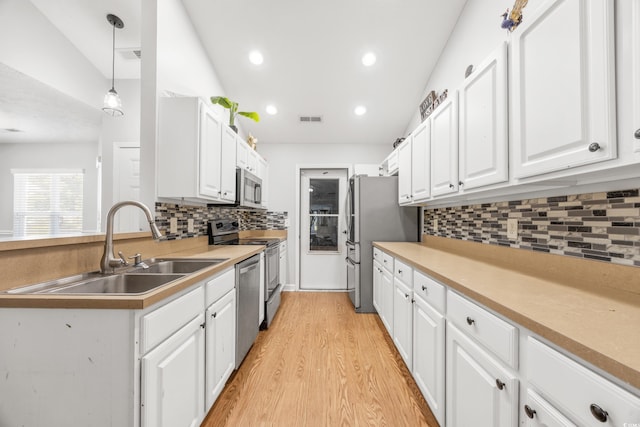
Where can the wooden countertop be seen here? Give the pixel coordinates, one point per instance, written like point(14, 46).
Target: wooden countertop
point(234, 254)
point(589, 308)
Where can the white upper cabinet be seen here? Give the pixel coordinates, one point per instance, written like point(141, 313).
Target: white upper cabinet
point(420, 155)
point(242, 153)
point(562, 88)
point(196, 161)
point(628, 62)
point(444, 147)
point(404, 171)
point(228, 166)
point(483, 127)
point(210, 153)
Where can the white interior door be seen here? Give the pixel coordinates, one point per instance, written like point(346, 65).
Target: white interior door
point(126, 186)
point(322, 241)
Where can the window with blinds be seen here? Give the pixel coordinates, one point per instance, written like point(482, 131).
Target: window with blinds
point(47, 202)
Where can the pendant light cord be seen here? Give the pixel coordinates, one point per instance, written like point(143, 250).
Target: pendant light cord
point(113, 57)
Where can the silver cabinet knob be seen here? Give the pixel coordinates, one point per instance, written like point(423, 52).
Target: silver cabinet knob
point(451, 186)
point(460, 183)
point(594, 146)
point(637, 134)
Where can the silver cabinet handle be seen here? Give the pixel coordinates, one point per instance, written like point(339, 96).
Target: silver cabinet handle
point(424, 288)
point(451, 186)
point(599, 413)
point(499, 384)
point(594, 146)
point(637, 134)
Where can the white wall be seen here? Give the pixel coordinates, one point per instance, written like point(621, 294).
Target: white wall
point(30, 44)
point(476, 34)
point(49, 156)
point(283, 159)
point(175, 61)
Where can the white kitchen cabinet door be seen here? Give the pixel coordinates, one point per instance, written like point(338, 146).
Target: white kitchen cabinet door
point(444, 147)
point(173, 379)
point(228, 166)
point(563, 108)
point(252, 160)
point(377, 284)
point(428, 355)
point(242, 153)
point(420, 163)
point(483, 128)
point(386, 295)
point(221, 345)
point(403, 321)
point(540, 413)
point(480, 392)
point(628, 68)
point(210, 153)
point(404, 172)
point(283, 269)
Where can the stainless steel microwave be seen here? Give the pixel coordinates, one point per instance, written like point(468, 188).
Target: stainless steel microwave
point(248, 189)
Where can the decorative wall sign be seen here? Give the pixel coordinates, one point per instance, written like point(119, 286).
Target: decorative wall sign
point(426, 104)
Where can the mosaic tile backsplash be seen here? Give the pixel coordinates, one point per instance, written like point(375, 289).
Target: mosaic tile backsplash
point(201, 215)
point(600, 226)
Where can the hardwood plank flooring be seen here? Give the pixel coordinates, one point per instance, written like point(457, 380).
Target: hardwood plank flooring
point(321, 364)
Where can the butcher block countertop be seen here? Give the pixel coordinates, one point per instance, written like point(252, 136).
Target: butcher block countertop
point(589, 308)
point(105, 301)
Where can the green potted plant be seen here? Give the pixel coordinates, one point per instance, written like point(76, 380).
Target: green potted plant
point(233, 110)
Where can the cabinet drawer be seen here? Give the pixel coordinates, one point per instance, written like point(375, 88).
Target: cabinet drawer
point(377, 255)
point(494, 333)
point(387, 262)
point(219, 286)
point(576, 391)
point(403, 272)
point(158, 325)
point(431, 291)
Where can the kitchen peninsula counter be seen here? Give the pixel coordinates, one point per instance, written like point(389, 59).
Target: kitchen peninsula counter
point(589, 308)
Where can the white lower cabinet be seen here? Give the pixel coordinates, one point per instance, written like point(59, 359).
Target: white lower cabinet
point(480, 391)
point(540, 413)
point(403, 320)
point(221, 345)
point(577, 392)
point(428, 355)
point(173, 379)
point(386, 294)
point(377, 283)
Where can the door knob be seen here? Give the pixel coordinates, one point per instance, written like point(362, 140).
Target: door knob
point(594, 146)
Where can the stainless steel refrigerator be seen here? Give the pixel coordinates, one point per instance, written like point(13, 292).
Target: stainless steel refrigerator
point(373, 214)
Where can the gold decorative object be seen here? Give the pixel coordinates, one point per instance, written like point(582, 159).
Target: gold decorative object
point(252, 141)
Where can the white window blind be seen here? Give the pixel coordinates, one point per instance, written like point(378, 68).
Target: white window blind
point(47, 202)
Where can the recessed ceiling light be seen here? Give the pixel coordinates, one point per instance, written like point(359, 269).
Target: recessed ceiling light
point(256, 58)
point(271, 109)
point(369, 59)
point(360, 110)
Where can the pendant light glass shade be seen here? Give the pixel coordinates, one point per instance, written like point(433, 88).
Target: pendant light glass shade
point(112, 103)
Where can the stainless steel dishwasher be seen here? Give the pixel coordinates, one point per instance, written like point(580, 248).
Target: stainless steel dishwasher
point(248, 308)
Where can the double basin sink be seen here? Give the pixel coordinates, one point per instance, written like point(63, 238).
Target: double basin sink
point(136, 280)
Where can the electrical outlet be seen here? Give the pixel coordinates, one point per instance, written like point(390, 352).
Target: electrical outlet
point(286, 222)
point(190, 225)
point(435, 225)
point(512, 228)
point(173, 225)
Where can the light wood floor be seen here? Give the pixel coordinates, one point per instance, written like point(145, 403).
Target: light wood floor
point(321, 364)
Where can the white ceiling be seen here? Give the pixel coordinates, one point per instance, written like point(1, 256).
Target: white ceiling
point(312, 65)
point(312, 53)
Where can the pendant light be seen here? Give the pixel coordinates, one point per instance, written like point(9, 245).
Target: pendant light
point(112, 102)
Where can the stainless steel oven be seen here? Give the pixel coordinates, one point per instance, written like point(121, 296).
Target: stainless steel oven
point(248, 189)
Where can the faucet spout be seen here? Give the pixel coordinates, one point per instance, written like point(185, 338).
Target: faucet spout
point(109, 261)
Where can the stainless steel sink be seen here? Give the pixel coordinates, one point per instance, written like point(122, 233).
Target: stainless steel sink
point(177, 265)
point(139, 280)
point(129, 284)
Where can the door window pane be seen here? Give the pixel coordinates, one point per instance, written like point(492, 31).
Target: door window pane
point(324, 196)
point(324, 209)
point(323, 233)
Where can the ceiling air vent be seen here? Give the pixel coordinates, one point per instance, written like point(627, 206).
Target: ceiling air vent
point(310, 119)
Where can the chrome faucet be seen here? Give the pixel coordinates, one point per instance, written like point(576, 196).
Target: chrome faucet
point(109, 262)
